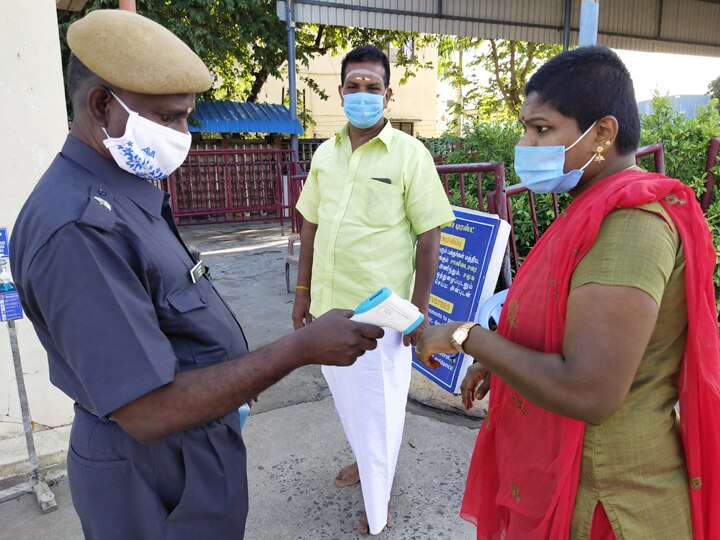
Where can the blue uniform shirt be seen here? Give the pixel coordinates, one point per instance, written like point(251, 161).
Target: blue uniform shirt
point(107, 284)
point(105, 280)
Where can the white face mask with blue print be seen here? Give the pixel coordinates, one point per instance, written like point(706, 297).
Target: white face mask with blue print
point(540, 168)
point(363, 110)
point(147, 149)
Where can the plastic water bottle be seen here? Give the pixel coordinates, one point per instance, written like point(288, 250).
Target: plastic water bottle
point(5, 284)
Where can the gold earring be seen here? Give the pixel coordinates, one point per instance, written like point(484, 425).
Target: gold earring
point(598, 154)
point(608, 143)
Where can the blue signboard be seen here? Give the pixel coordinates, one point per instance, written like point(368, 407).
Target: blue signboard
point(471, 254)
point(10, 309)
point(4, 249)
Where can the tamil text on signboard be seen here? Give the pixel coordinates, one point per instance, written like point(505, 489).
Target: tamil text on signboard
point(471, 254)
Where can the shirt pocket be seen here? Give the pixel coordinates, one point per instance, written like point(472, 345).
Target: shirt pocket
point(380, 204)
point(193, 323)
point(192, 297)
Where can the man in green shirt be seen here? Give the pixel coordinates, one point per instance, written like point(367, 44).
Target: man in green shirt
point(373, 207)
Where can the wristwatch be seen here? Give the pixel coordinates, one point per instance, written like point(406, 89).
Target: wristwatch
point(460, 335)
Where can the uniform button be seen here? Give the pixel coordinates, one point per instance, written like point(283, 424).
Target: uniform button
point(202, 300)
point(102, 192)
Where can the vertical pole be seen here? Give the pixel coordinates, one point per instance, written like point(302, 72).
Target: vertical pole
point(290, 25)
point(566, 25)
point(128, 5)
point(43, 494)
point(589, 15)
point(304, 109)
point(25, 410)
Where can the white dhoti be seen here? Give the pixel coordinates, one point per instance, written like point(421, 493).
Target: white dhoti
point(370, 397)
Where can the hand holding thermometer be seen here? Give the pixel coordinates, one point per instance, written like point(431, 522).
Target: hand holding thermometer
point(385, 308)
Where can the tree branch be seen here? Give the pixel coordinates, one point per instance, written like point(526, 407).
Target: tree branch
point(259, 79)
point(517, 90)
point(316, 48)
point(318, 37)
point(496, 62)
point(528, 63)
point(513, 80)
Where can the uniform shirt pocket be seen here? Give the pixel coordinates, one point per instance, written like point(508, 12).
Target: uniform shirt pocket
point(192, 297)
point(194, 325)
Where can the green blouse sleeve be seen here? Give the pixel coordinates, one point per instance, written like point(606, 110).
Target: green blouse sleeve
point(635, 247)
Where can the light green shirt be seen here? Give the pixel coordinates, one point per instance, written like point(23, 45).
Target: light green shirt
point(369, 206)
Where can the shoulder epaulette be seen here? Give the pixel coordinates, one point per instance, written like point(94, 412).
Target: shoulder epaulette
point(99, 212)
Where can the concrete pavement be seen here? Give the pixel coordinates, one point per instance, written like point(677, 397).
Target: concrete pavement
point(294, 438)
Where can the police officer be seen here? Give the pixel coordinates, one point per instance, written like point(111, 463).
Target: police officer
point(135, 332)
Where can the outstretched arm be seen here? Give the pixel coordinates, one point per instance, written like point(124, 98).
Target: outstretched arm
point(201, 395)
point(606, 334)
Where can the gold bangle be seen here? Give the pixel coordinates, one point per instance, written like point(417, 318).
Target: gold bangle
point(302, 288)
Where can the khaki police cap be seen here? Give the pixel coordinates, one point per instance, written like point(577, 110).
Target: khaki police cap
point(136, 54)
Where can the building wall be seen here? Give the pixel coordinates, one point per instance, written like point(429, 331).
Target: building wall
point(34, 127)
point(414, 101)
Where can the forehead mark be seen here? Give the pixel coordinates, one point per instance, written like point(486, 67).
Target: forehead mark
point(363, 75)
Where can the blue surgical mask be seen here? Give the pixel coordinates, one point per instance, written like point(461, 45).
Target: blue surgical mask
point(540, 168)
point(363, 110)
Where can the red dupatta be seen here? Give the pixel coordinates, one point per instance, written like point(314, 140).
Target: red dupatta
point(525, 468)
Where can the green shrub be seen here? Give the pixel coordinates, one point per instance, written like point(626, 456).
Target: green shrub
point(440, 147)
point(484, 142)
point(685, 141)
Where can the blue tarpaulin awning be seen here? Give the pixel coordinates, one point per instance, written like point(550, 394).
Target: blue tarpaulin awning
point(242, 117)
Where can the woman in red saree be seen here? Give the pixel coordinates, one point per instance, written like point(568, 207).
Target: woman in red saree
point(610, 321)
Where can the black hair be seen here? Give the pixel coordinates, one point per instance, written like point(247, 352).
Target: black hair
point(586, 84)
point(366, 53)
point(77, 74)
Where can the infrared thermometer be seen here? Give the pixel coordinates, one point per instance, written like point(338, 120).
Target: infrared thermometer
point(385, 308)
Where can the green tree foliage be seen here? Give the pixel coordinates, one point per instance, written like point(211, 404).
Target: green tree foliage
point(511, 63)
point(714, 89)
point(685, 142)
point(496, 96)
point(244, 43)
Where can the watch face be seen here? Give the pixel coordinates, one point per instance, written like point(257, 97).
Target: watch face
point(458, 336)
